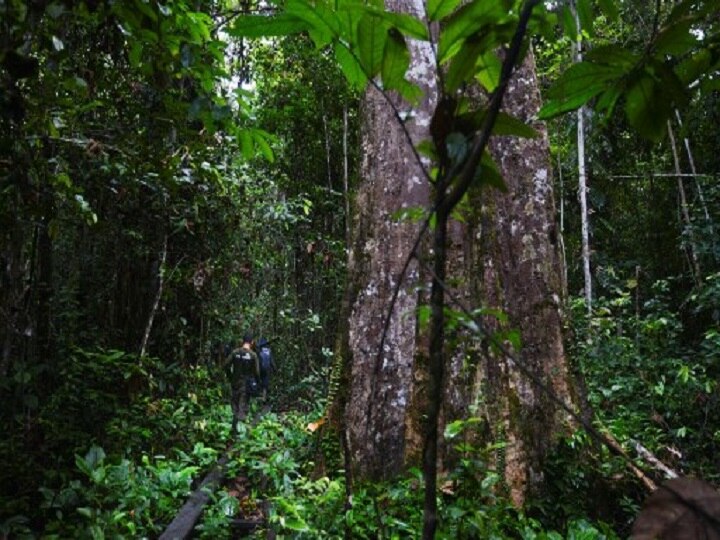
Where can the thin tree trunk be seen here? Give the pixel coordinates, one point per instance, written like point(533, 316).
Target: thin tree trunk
point(327, 149)
point(346, 176)
point(685, 211)
point(44, 288)
point(158, 296)
point(561, 236)
point(698, 187)
point(582, 177)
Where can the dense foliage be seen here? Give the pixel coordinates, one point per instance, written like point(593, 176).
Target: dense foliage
point(166, 187)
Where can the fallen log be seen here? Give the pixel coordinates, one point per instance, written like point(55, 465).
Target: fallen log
point(181, 527)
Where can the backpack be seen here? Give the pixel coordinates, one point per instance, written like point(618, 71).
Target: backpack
point(243, 364)
point(265, 360)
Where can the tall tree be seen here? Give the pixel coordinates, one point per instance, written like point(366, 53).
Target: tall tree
point(502, 256)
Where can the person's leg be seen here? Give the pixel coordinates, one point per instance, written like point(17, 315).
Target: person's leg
point(235, 397)
point(244, 399)
point(264, 381)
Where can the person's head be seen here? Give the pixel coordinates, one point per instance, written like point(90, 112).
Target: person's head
point(263, 342)
point(247, 338)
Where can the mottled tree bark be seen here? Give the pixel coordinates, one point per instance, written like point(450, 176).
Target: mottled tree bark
point(503, 255)
point(515, 251)
point(392, 179)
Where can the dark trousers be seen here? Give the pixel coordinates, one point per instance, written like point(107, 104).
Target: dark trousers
point(264, 383)
point(239, 399)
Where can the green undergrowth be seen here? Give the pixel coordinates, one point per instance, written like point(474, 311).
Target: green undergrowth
point(300, 473)
point(111, 450)
point(651, 372)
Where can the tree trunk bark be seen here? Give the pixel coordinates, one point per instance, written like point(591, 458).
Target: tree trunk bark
point(503, 255)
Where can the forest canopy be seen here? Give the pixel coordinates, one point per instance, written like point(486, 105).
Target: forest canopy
point(479, 237)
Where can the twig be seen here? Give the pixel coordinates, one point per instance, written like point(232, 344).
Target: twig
point(651, 458)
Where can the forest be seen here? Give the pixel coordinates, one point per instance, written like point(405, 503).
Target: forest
point(478, 237)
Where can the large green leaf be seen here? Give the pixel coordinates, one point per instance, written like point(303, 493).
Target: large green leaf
point(607, 100)
point(506, 124)
point(488, 173)
point(437, 9)
point(646, 109)
point(580, 83)
point(372, 35)
point(694, 66)
point(395, 61)
point(404, 22)
point(323, 23)
point(569, 25)
point(350, 67)
point(489, 68)
point(614, 56)
point(470, 19)
point(462, 67)
point(585, 15)
point(255, 26)
point(676, 39)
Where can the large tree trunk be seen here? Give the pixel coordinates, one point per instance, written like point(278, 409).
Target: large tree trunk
point(516, 251)
point(504, 255)
point(392, 179)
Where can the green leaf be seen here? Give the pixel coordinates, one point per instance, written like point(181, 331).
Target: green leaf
point(95, 456)
point(613, 56)
point(260, 142)
point(350, 67)
point(585, 14)
point(423, 315)
point(85, 511)
point(247, 148)
point(437, 9)
point(645, 108)
point(671, 86)
point(404, 22)
point(609, 9)
point(146, 10)
point(489, 68)
point(395, 61)
point(470, 19)
point(255, 26)
point(372, 36)
point(489, 175)
point(506, 124)
point(580, 83)
point(453, 429)
point(693, 67)
point(607, 100)
point(323, 24)
point(427, 148)
point(463, 64)
point(569, 25)
point(676, 39)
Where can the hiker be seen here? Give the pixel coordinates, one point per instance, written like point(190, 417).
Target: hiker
point(266, 366)
point(243, 369)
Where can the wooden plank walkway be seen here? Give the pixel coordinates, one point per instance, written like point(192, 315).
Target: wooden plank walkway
point(182, 526)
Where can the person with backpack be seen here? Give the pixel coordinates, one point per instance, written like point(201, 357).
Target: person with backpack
point(266, 366)
point(243, 369)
